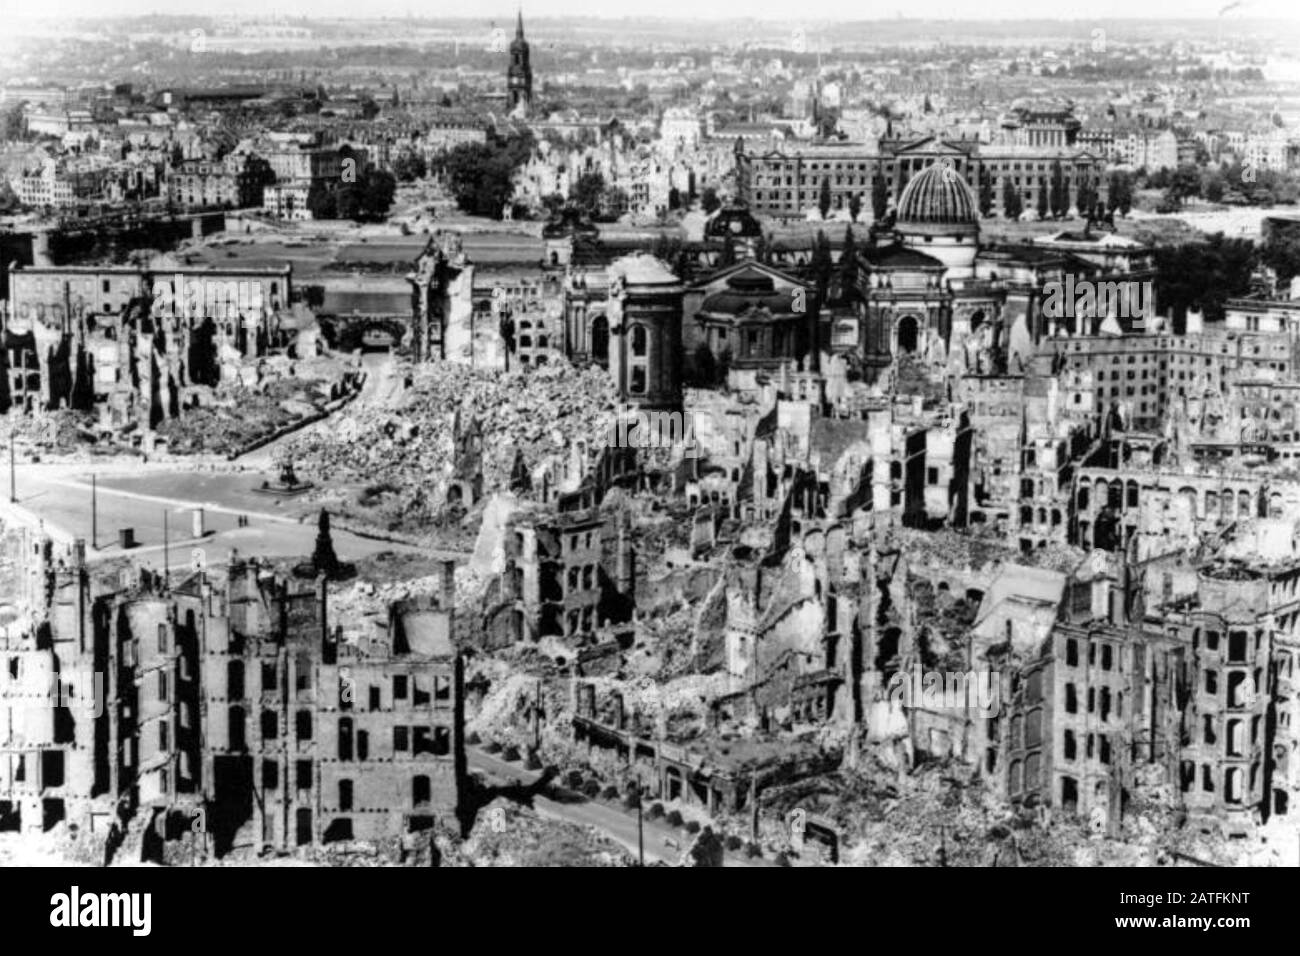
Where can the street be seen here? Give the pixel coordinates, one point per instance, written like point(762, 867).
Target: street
point(616, 824)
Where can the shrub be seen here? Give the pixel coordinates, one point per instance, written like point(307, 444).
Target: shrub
point(510, 753)
point(734, 842)
point(473, 739)
point(656, 810)
point(493, 747)
point(693, 826)
point(630, 799)
point(753, 850)
point(782, 859)
point(573, 779)
point(592, 789)
point(674, 819)
point(533, 762)
point(610, 793)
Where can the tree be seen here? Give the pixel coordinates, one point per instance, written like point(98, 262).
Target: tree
point(709, 200)
point(1281, 253)
point(879, 199)
point(1121, 192)
point(848, 266)
point(824, 197)
point(986, 194)
point(409, 167)
point(323, 558)
point(587, 192)
point(13, 125)
point(1059, 198)
point(378, 187)
point(1084, 198)
point(1012, 206)
point(1042, 199)
point(855, 206)
point(1204, 274)
point(322, 202)
point(481, 177)
point(1184, 182)
point(823, 264)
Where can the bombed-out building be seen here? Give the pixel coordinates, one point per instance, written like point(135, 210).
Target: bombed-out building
point(231, 702)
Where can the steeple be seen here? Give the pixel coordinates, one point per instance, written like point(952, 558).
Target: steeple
point(519, 76)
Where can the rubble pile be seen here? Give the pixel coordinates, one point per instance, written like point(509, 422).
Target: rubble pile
point(506, 834)
point(278, 394)
point(62, 432)
point(980, 551)
point(402, 450)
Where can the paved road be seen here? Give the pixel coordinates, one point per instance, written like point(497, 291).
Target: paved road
point(614, 823)
point(137, 495)
point(61, 497)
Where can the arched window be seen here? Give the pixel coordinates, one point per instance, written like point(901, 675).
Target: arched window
point(640, 341)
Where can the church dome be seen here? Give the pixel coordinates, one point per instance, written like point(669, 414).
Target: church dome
point(937, 196)
point(751, 290)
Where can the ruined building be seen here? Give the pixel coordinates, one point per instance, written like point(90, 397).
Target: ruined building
point(236, 704)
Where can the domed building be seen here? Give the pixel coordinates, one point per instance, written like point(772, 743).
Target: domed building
point(928, 290)
point(937, 214)
point(756, 317)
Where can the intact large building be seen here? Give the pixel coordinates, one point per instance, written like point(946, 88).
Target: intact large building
point(787, 181)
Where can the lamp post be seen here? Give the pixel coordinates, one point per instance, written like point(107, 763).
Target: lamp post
point(635, 789)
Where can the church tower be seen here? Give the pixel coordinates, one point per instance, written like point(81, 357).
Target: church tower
point(519, 77)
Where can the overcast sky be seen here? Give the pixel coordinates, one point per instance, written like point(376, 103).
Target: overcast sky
point(715, 9)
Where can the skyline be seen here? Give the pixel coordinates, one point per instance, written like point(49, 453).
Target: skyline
point(763, 10)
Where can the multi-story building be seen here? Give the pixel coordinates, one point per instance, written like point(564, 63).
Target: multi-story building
point(235, 182)
point(237, 704)
point(1167, 669)
point(787, 181)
